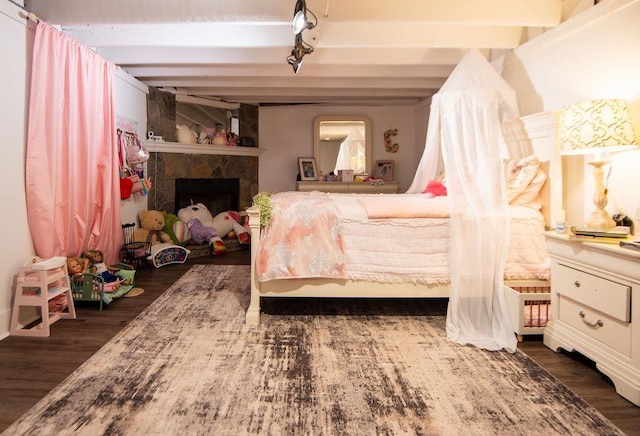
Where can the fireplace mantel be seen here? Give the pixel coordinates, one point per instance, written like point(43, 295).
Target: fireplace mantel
point(177, 147)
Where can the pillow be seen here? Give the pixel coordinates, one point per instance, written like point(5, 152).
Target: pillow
point(521, 176)
point(530, 195)
point(435, 189)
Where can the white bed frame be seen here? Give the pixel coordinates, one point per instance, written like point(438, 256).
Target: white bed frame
point(536, 132)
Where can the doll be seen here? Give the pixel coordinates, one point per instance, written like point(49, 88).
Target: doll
point(97, 266)
point(77, 266)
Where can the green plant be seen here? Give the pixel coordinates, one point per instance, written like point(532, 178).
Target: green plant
point(263, 201)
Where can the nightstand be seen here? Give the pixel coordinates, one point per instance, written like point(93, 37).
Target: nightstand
point(595, 307)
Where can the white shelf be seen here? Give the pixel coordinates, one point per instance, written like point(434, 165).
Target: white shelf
point(223, 150)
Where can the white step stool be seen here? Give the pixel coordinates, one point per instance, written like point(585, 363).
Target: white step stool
point(40, 281)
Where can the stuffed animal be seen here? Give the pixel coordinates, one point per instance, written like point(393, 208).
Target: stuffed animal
point(227, 223)
point(151, 223)
point(223, 223)
point(201, 234)
point(200, 223)
point(220, 136)
point(176, 229)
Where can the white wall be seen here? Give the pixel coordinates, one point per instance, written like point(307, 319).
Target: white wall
point(592, 55)
point(286, 133)
point(131, 103)
point(14, 42)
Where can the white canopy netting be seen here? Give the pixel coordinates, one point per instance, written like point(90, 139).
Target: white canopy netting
point(352, 152)
point(464, 135)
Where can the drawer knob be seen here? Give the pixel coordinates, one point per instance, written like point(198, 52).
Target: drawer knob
point(576, 283)
point(593, 325)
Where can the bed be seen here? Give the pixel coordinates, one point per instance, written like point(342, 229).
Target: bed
point(371, 283)
point(377, 256)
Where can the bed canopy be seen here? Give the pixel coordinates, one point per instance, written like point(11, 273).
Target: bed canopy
point(352, 152)
point(464, 135)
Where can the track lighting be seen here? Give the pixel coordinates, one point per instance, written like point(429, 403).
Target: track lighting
point(300, 24)
point(300, 19)
point(295, 63)
point(300, 49)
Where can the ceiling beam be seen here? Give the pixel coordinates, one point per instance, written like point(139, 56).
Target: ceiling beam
point(496, 12)
point(281, 69)
point(544, 13)
point(340, 56)
point(299, 82)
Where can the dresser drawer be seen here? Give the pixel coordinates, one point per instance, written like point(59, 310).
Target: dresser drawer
point(609, 297)
point(599, 326)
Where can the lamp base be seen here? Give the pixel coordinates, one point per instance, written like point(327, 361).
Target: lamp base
point(600, 219)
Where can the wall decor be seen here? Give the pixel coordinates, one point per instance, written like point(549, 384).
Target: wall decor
point(383, 169)
point(308, 170)
point(388, 145)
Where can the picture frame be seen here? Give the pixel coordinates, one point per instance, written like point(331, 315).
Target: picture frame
point(383, 169)
point(308, 169)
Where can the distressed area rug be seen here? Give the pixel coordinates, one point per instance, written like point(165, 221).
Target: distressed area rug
point(188, 365)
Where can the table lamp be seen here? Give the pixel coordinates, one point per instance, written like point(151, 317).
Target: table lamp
point(597, 127)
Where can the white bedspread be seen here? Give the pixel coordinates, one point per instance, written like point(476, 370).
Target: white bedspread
point(396, 250)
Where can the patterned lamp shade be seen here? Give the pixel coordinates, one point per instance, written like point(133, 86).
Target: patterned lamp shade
point(597, 126)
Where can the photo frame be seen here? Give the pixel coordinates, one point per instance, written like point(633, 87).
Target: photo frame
point(308, 169)
point(383, 169)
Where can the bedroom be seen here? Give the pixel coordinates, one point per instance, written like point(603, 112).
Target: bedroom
point(565, 71)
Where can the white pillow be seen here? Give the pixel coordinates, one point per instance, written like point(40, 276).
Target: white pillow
point(530, 195)
point(522, 174)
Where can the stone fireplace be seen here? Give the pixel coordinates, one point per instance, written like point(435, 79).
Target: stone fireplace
point(203, 178)
point(171, 161)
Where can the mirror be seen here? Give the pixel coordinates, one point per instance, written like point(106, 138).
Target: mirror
point(342, 142)
point(202, 112)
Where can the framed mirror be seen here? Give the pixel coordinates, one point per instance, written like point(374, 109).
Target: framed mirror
point(342, 142)
point(206, 113)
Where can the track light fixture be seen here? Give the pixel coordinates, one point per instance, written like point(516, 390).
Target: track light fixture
point(295, 64)
point(300, 18)
point(300, 49)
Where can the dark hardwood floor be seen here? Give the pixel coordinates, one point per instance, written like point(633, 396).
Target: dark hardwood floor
point(31, 367)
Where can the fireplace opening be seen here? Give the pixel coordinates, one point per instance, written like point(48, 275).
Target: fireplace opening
point(219, 195)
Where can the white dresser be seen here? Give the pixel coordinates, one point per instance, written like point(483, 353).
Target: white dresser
point(595, 307)
point(350, 187)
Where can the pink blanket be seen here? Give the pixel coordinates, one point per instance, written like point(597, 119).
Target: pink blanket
point(405, 206)
point(306, 243)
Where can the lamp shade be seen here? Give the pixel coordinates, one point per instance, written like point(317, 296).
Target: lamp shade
point(596, 126)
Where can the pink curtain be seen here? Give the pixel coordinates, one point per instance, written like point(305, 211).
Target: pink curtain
point(72, 181)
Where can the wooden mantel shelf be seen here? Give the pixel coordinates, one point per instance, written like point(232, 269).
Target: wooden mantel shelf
point(177, 147)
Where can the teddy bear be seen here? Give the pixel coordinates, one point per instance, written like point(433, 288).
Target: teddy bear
point(151, 223)
point(222, 224)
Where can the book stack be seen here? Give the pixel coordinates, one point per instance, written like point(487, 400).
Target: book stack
point(615, 235)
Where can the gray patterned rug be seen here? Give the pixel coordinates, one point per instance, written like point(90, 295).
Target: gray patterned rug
point(189, 366)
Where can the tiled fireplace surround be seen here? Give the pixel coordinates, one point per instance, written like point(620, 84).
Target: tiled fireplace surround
point(165, 167)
